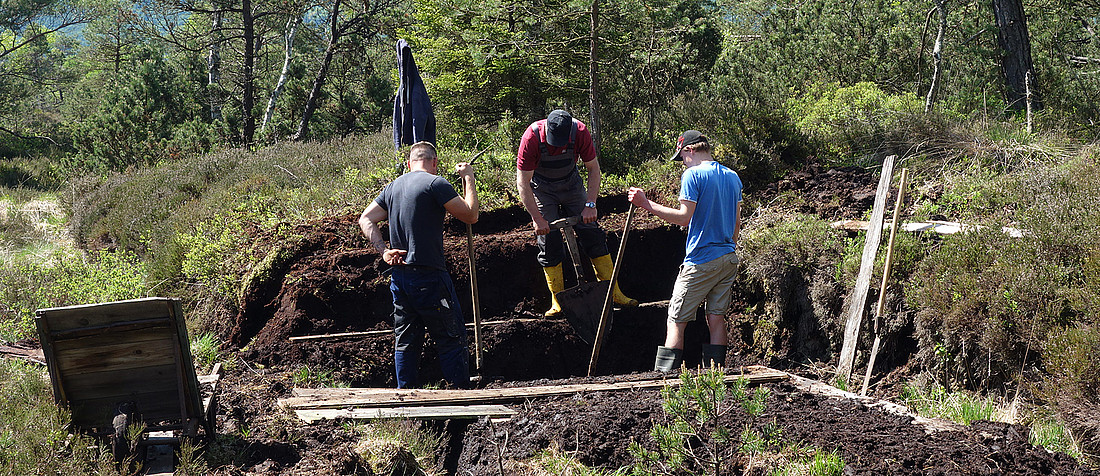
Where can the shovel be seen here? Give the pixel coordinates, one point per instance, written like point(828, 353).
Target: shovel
point(581, 304)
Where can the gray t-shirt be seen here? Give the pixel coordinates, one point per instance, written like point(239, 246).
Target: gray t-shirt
point(414, 203)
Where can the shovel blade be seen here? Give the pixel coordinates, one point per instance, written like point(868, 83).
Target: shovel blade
point(582, 306)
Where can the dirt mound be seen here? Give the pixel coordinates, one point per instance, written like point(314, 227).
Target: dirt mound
point(844, 193)
point(596, 430)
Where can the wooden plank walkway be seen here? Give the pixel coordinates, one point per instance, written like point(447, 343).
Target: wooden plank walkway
point(327, 398)
point(441, 412)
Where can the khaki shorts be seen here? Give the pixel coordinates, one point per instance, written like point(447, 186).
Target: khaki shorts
point(711, 282)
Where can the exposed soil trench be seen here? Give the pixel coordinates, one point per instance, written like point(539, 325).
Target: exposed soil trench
point(336, 284)
point(328, 279)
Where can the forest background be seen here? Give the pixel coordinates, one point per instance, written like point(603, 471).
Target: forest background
point(143, 143)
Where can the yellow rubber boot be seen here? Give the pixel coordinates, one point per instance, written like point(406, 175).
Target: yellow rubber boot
point(604, 268)
point(556, 282)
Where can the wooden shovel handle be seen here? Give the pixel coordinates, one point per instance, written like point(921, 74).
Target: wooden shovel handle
point(610, 293)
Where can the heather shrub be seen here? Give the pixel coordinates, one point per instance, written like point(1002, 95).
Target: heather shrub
point(790, 260)
point(986, 300)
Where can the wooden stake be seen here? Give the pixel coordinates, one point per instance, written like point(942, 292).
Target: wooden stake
point(385, 332)
point(604, 321)
point(885, 277)
point(863, 281)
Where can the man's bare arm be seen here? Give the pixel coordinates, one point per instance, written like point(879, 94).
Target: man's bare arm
point(467, 207)
point(681, 216)
point(527, 198)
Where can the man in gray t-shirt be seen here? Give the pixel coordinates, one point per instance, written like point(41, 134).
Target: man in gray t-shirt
point(423, 294)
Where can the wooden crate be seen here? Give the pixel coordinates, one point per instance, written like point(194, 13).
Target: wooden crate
point(102, 355)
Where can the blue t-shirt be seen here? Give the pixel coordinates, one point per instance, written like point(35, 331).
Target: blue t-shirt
point(414, 204)
point(716, 191)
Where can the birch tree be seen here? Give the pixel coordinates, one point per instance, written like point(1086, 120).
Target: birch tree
point(348, 22)
point(288, 44)
point(937, 55)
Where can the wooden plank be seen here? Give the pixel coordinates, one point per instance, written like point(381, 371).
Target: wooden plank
point(154, 407)
point(135, 336)
point(46, 340)
point(389, 332)
point(210, 403)
point(930, 425)
point(114, 329)
point(29, 355)
point(935, 226)
point(189, 397)
point(119, 356)
point(863, 281)
point(102, 384)
point(91, 315)
point(443, 412)
point(352, 397)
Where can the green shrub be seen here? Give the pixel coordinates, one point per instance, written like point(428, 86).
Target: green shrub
point(785, 257)
point(985, 296)
point(1072, 357)
point(849, 122)
point(65, 279)
point(34, 434)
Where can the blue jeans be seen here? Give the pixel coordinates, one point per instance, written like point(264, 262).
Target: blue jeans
point(425, 298)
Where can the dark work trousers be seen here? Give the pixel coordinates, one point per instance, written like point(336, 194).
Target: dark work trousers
point(425, 298)
point(561, 199)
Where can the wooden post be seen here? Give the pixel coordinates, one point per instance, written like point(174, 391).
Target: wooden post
point(885, 277)
point(863, 281)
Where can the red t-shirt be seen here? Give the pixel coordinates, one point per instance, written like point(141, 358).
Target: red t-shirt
point(528, 156)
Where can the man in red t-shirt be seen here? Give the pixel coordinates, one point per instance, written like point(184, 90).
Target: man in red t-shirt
point(550, 188)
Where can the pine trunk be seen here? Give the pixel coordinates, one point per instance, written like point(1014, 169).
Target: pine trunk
point(1012, 36)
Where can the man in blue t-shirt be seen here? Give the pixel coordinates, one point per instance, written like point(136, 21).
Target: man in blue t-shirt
point(423, 295)
point(710, 206)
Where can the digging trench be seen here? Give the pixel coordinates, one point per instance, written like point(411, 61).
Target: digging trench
point(323, 277)
point(328, 279)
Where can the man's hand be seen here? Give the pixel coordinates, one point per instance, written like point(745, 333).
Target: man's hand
point(637, 197)
point(464, 169)
point(542, 226)
point(588, 215)
point(394, 257)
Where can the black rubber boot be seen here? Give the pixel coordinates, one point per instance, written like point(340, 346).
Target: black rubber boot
point(714, 355)
point(668, 359)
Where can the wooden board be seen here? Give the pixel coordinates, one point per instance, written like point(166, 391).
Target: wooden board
point(388, 332)
point(356, 397)
point(858, 300)
point(101, 355)
point(91, 315)
point(442, 412)
point(24, 353)
point(935, 226)
point(115, 353)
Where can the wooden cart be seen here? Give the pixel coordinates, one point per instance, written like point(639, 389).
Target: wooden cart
point(128, 360)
